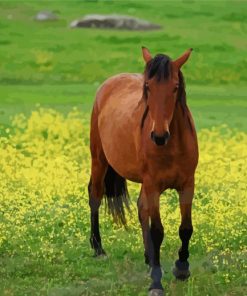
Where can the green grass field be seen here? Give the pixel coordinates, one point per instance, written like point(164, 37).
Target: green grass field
point(47, 69)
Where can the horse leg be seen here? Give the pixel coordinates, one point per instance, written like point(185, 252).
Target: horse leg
point(144, 221)
point(157, 235)
point(148, 207)
point(96, 191)
point(181, 269)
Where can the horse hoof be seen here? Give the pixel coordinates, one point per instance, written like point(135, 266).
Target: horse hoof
point(156, 292)
point(181, 270)
point(99, 253)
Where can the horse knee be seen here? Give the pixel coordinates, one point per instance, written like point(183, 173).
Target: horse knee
point(95, 196)
point(95, 191)
point(94, 204)
point(96, 184)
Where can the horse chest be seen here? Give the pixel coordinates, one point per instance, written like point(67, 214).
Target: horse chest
point(172, 170)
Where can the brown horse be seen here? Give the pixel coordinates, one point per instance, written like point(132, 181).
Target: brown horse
point(142, 130)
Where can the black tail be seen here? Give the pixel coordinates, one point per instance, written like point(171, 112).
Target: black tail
point(117, 196)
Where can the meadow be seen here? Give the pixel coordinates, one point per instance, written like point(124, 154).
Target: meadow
point(49, 74)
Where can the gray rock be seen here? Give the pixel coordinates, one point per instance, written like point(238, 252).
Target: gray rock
point(45, 16)
point(113, 21)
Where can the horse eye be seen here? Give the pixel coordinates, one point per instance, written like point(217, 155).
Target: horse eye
point(175, 89)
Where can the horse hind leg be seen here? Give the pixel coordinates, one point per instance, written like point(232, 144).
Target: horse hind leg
point(96, 191)
point(96, 185)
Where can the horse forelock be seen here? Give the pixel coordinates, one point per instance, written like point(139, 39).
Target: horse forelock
point(159, 67)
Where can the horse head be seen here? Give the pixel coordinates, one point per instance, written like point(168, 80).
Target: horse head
point(163, 85)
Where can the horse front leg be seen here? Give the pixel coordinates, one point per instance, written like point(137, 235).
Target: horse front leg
point(181, 269)
point(148, 208)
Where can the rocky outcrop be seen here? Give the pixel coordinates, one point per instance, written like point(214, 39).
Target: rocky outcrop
point(45, 16)
point(113, 21)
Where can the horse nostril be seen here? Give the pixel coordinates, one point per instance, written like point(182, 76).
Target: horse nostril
point(160, 140)
point(167, 136)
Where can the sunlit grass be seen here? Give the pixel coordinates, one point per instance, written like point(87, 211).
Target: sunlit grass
point(44, 213)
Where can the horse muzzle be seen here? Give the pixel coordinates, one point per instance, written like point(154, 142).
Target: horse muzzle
point(160, 140)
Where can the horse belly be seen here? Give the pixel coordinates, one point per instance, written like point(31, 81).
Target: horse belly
point(119, 137)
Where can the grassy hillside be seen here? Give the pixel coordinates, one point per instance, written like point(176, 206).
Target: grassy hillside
point(51, 64)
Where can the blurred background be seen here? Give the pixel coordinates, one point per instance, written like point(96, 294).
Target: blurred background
point(45, 61)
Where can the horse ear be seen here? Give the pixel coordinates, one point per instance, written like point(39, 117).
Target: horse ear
point(146, 54)
point(181, 60)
